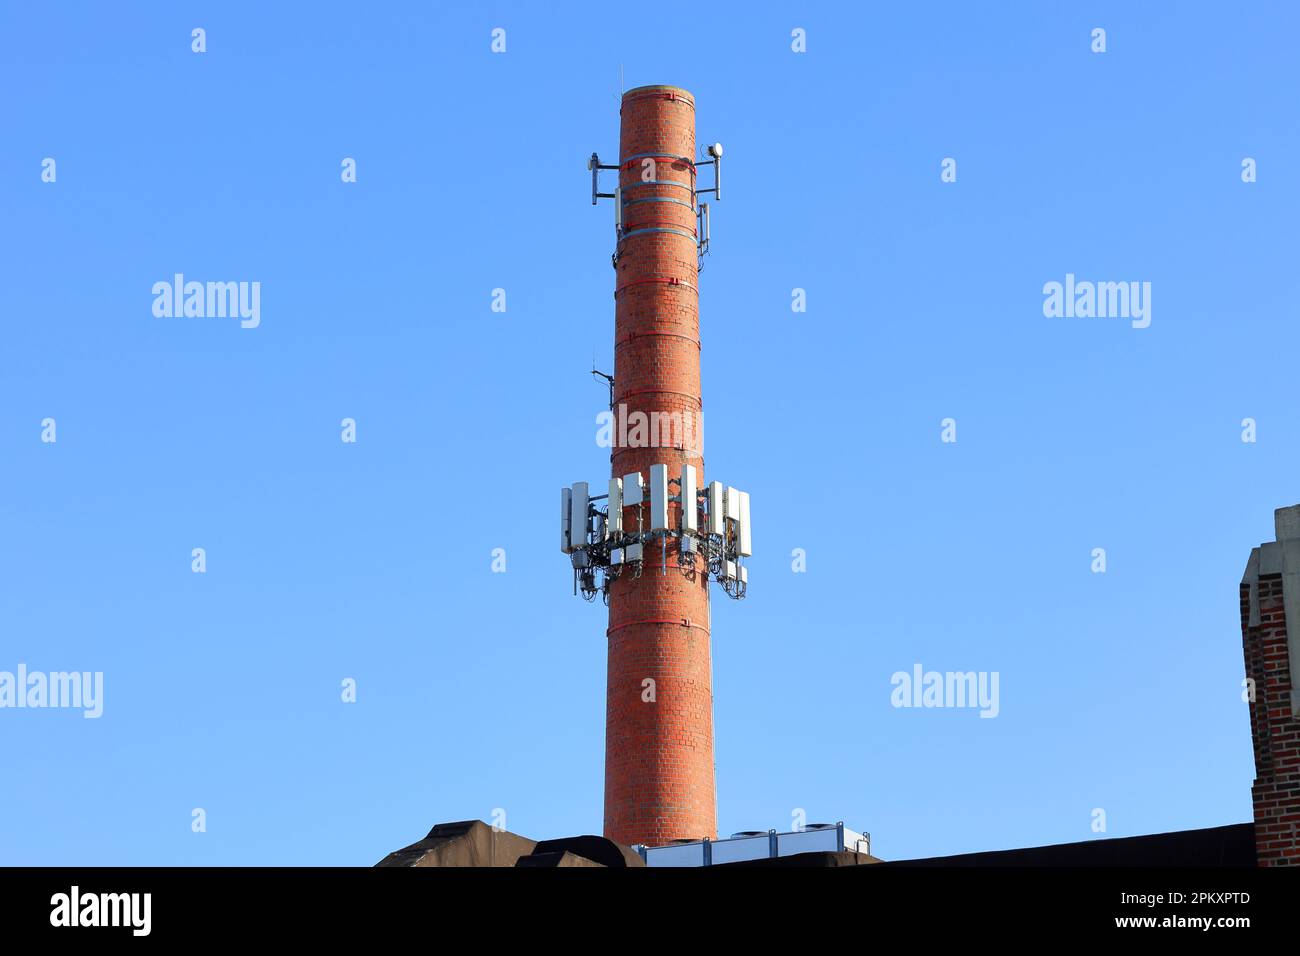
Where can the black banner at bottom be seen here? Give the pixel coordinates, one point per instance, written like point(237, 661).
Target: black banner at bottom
point(334, 905)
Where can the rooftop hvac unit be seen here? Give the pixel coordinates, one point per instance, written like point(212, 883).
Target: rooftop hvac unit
point(658, 497)
point(756, 845)
point(614, 522)
point(857, 842)
point(578, 515)
point(715, 507)
point(566, 505)
point(690, 507)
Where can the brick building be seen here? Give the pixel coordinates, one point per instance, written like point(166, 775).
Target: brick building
point(1270, 597)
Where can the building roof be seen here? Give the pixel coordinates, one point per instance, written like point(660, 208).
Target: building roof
point(1232, 845)
point(474, 843)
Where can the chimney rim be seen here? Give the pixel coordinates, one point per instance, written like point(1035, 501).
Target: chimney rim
point(660, 87)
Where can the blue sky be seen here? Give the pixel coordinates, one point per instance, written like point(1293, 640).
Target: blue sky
point(372, 561)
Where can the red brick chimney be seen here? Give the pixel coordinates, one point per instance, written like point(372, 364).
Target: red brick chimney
point(659, 782)
point(1270, 598)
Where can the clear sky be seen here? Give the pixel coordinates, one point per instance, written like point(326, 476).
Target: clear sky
point(479, 691)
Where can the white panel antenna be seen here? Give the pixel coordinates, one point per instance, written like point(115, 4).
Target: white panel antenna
point(578, 516)
point(658, 497)
point(715, 507)
point(633, 489)
point(743, 547)
point(566, 503)
point(690, 507)
point(614, 525)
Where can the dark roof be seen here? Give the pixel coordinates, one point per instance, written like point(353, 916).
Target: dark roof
point(474, 843)
point(464, 843)
point(1232, 845)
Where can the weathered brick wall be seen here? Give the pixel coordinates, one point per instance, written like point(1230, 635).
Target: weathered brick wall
point(1274, 728)
point(659, 781)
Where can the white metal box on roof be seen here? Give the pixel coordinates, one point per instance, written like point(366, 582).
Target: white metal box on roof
point(753, 845)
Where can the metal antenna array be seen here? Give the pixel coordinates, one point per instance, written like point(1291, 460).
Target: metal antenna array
point(712, 536)
point(713, 533)
point(700, 209)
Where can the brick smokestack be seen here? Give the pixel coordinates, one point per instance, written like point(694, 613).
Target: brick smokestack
point(659, 780)
point(1270, 631)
